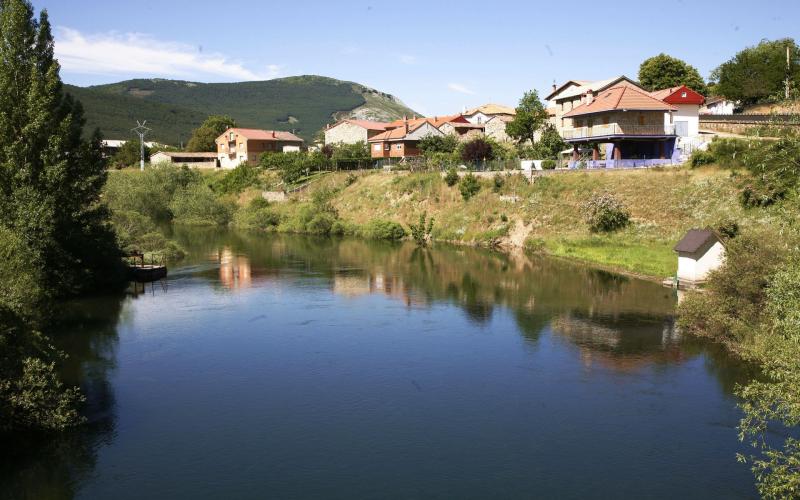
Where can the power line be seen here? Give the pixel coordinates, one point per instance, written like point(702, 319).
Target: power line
point(141, 130)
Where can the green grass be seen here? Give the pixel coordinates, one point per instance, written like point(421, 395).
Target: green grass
point(651, 259)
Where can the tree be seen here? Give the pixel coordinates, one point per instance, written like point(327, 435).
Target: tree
point(50, 178)
point(128, 155)
point(438, 144)
point(477, 150)
point(55, 235)
point(204, 137)
point(758, 73)
point(550, 143)
point(530, 117)
point(664, 71)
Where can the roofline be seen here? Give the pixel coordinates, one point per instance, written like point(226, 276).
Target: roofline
point(569, 115)
point(614, 82)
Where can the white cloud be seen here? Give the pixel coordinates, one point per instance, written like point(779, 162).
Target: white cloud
point(461, 89)
point(407, 59)
point(141, 54)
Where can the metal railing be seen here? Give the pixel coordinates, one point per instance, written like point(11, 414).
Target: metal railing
point(611, 129)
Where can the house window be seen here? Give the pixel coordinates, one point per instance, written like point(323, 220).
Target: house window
point(232, 137)
point(398, 146)
point(605, 120)
point(641, 119)
point(683, 94)
point(579, 123)
point(386, 147)
point(376, 147)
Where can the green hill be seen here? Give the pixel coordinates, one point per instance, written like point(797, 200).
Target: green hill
point(172, 108)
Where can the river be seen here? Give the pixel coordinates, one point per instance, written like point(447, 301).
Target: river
point(295, 367)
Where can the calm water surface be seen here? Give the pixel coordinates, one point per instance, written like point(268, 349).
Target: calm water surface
point(292, 367)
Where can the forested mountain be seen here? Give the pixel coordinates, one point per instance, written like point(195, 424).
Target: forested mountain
point(172, 108)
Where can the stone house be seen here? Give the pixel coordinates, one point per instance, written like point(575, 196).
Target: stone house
point(495, 128)
point(464, 131)
point(353, 131)
point(483, 114)
point(243, 145)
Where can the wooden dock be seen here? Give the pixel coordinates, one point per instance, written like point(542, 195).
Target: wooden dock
point(141, 272)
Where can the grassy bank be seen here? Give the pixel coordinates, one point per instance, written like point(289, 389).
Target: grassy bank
point(545, 215)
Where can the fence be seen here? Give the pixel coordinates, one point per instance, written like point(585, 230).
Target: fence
point(422, 164)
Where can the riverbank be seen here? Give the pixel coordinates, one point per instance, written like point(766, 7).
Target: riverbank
point(541, 215)
point(546, 215)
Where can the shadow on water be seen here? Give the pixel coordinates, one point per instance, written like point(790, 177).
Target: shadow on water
point(615, 323)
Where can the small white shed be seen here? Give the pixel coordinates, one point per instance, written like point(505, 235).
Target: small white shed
point(699, 252)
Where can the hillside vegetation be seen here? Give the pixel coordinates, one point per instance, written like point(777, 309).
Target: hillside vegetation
point(172, 108)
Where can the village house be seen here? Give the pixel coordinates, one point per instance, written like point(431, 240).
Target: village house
point(495, 128)
point(194, 160)
point(699, 252)
point(628, 121)
point(687, 102)
point(401, 140)
point(353, 131)
point(573, 93)
point(483, 114)
point(243, 145)
point(717, 105)
point(464, 131)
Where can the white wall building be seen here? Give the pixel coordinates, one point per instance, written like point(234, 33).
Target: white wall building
point(699, 252)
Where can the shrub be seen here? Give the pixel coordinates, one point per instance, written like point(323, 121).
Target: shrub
point(498, 182)
point(257, 215)
point(549, 165)
point(321, 223)
point(383, 230)
point(421, 232)
point(700, 157)
point(438, 144)
point(503, 218)
point(469, 186)
point(728, 228)
point(198, 205)
point(238, 179)
point(775, 169)
point(451, 177)
point(150, 192)
point(604, 213)
point(350, 179)
point(477, 150)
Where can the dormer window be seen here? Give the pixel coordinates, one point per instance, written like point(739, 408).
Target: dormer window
point(683, 94)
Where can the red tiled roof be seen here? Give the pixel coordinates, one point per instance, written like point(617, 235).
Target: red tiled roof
point(674, 95)
point(436, 121)
point(263, 135)
point(623, 97)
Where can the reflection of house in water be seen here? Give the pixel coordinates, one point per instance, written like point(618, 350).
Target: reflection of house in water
point(234, 270)
point(623, 344)
point(357, 283)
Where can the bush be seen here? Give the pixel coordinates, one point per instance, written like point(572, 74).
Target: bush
point(604, 213)
point(549, 165)
point(469, 186)
point(383, 230)
point(700, 157)
point(498, 182)
point(728, 228)
point(257, 215)
point(321, 223)
point(775, 169)
point(421, 232)
point(451, 177)
point(150, 192)
point(238, 179)
point(198, 205)
point(477, 150)
point(438, 144)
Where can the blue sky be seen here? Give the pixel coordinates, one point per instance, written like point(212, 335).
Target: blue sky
point(435, 56)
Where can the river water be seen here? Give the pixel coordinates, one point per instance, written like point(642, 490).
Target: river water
point(294, 367)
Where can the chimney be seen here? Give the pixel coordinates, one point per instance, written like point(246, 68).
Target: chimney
point(273, 134)
point(436, 118)
point(554, 87)
point(414, 117)
point(589, 96)
point(405, 117)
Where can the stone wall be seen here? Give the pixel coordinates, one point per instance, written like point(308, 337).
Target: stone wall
point(346, 133)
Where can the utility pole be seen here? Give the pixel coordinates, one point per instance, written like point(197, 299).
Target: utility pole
point(141, 130)
point(788, 69)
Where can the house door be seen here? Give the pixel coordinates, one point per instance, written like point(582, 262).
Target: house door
point(682, 129)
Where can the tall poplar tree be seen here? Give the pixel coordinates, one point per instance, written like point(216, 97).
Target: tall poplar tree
point(50, 177)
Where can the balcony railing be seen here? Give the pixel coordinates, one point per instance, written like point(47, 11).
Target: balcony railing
point(612, 129)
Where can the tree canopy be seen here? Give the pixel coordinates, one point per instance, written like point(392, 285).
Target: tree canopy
point(530, 117)
point(758, 73)
point(664, 71)
point(203, 137)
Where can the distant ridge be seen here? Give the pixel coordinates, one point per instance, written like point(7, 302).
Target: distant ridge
point(172, 108)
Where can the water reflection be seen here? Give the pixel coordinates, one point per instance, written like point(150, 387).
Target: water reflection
point(608, 323)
